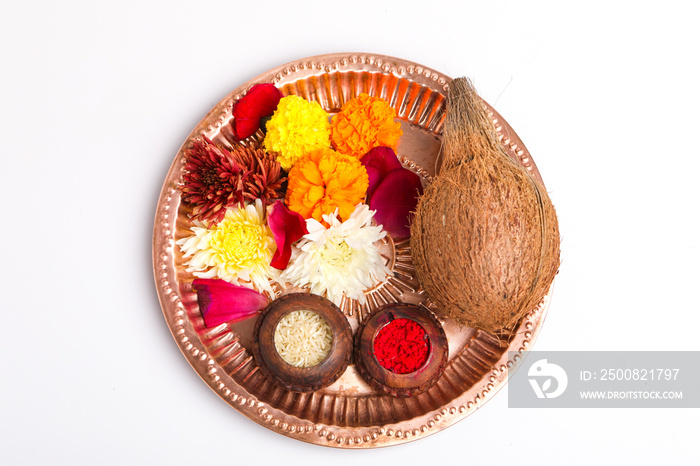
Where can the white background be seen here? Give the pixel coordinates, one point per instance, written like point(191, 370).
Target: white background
point(96, 99)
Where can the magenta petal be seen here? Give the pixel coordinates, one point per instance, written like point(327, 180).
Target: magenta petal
point(220, 301)
point(379, 162)
point(287, 227)
point(395, 200)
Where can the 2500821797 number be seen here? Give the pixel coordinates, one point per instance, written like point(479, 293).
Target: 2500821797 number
point(639, 374)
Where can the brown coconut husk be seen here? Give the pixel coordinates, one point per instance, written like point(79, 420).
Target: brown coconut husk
point(485, 237)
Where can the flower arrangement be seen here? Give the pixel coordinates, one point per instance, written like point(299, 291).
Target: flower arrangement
point(308, 207)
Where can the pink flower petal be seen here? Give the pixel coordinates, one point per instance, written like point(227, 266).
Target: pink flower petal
point(287, 227)
point(378, 162)
point(220, 301)
point(395, 200)
point(260, 101)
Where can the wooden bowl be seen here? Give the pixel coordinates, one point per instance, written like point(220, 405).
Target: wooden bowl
point(302, 379)
point(385, 381)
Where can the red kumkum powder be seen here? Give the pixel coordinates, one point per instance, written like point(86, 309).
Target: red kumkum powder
point(401, 346)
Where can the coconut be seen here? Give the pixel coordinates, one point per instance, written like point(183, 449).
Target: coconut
point(485, 237)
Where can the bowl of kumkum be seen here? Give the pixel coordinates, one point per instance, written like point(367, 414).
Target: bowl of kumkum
point(401, 350)
point(302, 342)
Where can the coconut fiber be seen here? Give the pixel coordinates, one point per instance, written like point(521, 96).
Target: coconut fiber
point(485, 237)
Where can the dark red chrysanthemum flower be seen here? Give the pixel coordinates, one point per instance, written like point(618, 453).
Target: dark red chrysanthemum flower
point(264, 176)
point(213, 181)
point(217, 179)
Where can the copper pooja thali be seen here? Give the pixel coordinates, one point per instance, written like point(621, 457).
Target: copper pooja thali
point(348, 413)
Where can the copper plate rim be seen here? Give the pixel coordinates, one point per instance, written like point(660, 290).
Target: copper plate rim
point(223, 384)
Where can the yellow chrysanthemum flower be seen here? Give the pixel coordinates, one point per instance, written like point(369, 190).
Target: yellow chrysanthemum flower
point(296, 128)
point(238, 249)
point(325, 180)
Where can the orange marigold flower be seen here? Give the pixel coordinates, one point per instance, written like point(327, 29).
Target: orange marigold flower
point(325, 180)
point(364, 123)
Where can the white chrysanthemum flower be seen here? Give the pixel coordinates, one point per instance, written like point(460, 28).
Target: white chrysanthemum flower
point(343, 258)
point(238, 249)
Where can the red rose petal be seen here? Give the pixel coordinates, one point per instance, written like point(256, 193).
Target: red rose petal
point(260, 101)
point(220, 301)
point(244, 127)
point(395, 200)
point(287, 227)
point(379, 162)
